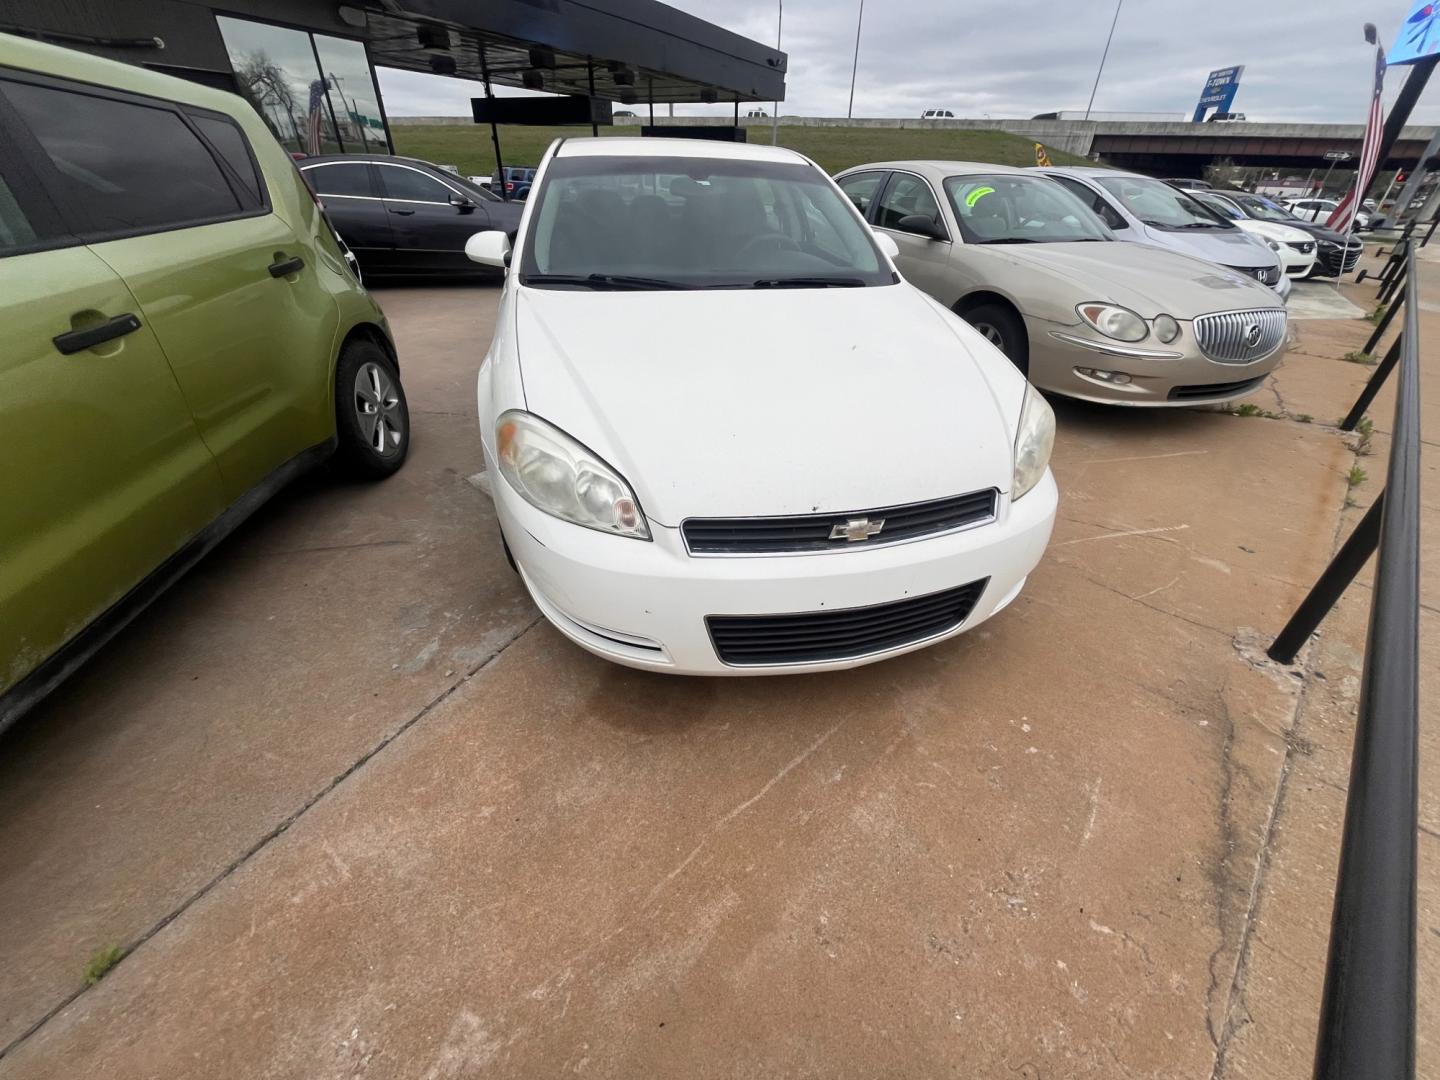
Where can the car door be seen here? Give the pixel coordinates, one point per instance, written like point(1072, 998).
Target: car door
point(924, 260)
point(106, 475)
point(430, 232)
point(350, 194)
point(861, 188)
point(225, 284)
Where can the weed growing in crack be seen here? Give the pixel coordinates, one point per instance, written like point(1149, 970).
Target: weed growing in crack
point(1304, 418)
point(101, 963)
point(1378, 314)
point(1356, 476)
point(1359, 356)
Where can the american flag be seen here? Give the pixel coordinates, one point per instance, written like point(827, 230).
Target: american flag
point(315, 118)
point(1342, 215)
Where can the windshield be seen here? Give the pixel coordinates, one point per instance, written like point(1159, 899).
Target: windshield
point(1264, 209)
point(689, 222)
point(475, 191)
point(1158, 204)
point(1009, 209)
point(1223, 207)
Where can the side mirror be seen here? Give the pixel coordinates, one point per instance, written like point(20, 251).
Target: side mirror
point(489, 249)
point(463, 203)
point(921, 225)
point(887, 243)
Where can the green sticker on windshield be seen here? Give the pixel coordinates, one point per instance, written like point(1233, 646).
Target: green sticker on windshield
point(976, 195)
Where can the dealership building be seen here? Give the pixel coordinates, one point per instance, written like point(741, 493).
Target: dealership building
point(308, 66)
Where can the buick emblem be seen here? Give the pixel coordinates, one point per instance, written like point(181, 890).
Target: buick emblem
point(1252, 335)
point(853, 529)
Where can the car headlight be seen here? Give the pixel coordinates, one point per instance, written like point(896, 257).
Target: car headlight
point(1166, 328)
point(1113, 321)
point(554, 473)
point(1033, 442)
point(1272, 245)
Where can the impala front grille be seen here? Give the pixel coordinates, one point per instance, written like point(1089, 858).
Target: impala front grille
point(847, 530)
point(1241, 337)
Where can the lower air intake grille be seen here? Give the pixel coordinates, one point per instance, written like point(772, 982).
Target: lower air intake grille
point(1214, 390)
point(844, 634)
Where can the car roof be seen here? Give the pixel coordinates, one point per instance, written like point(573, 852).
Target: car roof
point(45, 59)
point(630, 146)
point(936, 167)
point(1090, 170)
point(398, 159)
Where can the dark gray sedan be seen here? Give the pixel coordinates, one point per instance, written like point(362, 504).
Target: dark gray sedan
point(402, 215)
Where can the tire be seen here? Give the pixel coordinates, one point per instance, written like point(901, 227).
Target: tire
point(509, 556)
point(1003, 329)
point(372, 417)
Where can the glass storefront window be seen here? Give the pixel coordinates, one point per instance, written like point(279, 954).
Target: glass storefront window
point(353, 96)
point(275, 70)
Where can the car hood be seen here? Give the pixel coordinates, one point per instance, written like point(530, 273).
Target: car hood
point(1229, 247)
point(1269, 230)
point(723, 403)
point(1147, 280)
point(1319, 231)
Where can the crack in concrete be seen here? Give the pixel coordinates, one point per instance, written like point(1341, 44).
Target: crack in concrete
point(1235, 1012)
point(277, 831)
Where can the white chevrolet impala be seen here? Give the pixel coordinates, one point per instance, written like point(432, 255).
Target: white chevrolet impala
point(729, 438)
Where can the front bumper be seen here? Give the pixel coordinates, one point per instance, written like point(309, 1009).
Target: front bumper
point(1176, 375)
point(645, 604)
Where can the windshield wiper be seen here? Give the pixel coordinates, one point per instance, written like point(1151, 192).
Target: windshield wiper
point(1010, 240)
point(809, 283)
point(1201, 225)
point(603, 281)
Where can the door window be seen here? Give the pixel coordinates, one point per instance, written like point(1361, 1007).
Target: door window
point(123, 167)
point(412, 185)
point(906, 195)
point(229, 142)
point(861, 189)
point(341, 179)
point(1093, 199)
point(15, 228)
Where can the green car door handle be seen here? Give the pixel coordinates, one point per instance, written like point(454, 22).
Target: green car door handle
point(79, 340)
point(286, 267)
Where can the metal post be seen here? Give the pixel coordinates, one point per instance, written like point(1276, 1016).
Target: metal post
point(1103, 55)
point(1358, 548)
point(1431, 231)
point(855, 66)
point(1391, 287)
point(1325, 180)
point(590, 75)
point(1379, 331)
point(1417, 177)
point(775, 116)
point(652, 100)
point(1373, 384)
point(1367, 1012)
point(504, 191)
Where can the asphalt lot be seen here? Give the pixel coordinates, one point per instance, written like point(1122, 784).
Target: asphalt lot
point(352, 808)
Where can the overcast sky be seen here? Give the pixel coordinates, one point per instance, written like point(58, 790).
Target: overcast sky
point(1014, 58)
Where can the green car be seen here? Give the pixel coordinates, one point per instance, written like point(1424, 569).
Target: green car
point(180, 336)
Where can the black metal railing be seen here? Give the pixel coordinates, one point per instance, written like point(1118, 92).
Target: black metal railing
point(1367, 1016)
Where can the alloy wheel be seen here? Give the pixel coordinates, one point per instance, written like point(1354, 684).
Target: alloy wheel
point(377, 407)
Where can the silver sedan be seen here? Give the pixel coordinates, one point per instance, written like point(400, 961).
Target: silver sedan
point(1038, 274)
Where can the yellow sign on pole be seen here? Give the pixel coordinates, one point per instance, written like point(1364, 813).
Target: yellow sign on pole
point(1041, 157)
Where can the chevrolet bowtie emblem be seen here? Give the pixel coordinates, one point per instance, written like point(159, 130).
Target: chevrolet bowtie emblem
point(854, 529)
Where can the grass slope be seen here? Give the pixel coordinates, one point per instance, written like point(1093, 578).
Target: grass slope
point(468, 145)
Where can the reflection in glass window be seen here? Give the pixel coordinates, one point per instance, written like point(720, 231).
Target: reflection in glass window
point(353, 96)
point(275, 69)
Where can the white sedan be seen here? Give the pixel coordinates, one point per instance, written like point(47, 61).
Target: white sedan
point(730, 439)
point(1294, 245)
point(1321, 209)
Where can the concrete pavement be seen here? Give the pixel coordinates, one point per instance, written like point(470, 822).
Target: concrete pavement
point(355, 811)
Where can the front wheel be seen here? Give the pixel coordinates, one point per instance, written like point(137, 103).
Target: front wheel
point(372, 418)
point(1002, 328)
